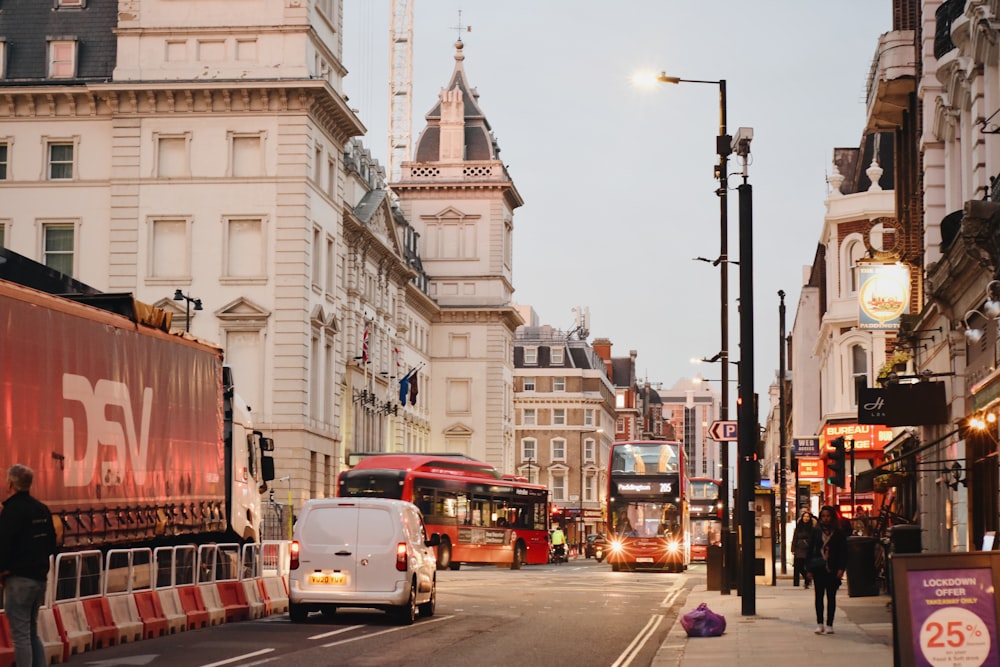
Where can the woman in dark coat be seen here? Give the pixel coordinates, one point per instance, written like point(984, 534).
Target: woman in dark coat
point(826, 562)
point(800, 546)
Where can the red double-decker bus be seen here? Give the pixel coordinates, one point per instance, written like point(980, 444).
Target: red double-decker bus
point(705, 509)
point(480, 515)
point(647, 506)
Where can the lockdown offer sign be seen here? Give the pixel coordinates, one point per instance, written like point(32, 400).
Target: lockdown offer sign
point(948, 611)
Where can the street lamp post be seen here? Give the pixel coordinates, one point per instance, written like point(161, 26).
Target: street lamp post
point(181, 296)
point(724, 149)
point(746, 417)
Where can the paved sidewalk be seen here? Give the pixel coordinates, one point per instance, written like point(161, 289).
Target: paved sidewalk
point(782, 629)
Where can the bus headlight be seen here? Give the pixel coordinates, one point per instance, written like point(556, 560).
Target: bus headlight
point(615, 547)
point(673, 547)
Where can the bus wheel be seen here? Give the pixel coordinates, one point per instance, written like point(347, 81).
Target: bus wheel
point(519, 556)
point(444, 554)
point(615, 567)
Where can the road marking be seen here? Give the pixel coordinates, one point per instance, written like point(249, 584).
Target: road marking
point(671, 596)
point(382, 632)
point(632, 650)
point(240, 657)
point(336, 632)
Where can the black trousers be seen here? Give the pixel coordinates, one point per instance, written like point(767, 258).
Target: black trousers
point(826, 585)
point(799, 570)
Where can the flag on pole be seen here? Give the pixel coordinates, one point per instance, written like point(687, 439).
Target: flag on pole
point(364, 345)
point(413, 388)
point(404, 388)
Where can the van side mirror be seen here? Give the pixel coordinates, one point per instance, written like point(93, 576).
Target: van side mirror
point(434, 541)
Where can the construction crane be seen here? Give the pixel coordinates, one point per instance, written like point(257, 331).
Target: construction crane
point(400, 86)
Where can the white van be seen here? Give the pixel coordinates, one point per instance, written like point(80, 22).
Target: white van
point(361, 552)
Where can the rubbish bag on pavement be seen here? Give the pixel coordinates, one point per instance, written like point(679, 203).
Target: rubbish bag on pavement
point(703, 622)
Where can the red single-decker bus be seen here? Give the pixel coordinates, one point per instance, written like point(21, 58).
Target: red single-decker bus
point(480, 515)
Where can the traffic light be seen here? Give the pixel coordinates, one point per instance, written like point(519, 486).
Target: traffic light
point(835, 463)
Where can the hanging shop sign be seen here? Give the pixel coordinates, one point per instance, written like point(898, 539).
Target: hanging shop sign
point(884, 295)
point(914, 404)
point(810, 469)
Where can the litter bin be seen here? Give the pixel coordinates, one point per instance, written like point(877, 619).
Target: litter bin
point(713, 567)
point(861, 566)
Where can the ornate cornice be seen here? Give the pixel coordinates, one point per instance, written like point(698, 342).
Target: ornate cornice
point(145, 98)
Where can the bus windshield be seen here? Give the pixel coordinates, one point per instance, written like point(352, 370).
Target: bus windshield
point(648, 459)
point(647, 519)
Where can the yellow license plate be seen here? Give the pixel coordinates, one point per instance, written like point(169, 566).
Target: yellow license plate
point(327, 579)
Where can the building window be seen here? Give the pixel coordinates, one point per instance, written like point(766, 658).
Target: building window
point(588, 450)
point(172, 157)
point(854, 253)
point(558, 449)
point(3, 233)
point(589, 488)
point(529, 450)
point(558, 489)
point(60, 160)
point(331, 266)
point(331, 176)
point(620, 425)
point(531, 356)
point(58, 243)
point(859, 371)
point(558, 384)
point(4, 147)
point(71, 3)
point(169, 256)
point(557, 356)
point(247, 156)
point(528, 418)
point(559, 416)
point(245, 248)
point(62, 58)
point(317, 256)
point(3, 58)
point(528, 384)
point(588, 417)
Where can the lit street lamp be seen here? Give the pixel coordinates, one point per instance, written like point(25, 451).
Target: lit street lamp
point(181, 296)
point(723, 149)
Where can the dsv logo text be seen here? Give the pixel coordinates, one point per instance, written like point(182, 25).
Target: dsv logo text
point(101, 431)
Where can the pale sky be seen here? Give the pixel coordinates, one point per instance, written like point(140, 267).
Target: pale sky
point(618, 180)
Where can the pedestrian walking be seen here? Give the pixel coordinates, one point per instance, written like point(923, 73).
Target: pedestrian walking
point(825, 565)
point(800, 546)
point(27, 541)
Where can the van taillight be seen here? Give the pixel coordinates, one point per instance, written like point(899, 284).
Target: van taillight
point(401, 556)
point(294, 552)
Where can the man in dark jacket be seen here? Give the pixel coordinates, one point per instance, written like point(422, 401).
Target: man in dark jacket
point(825, 564)
point(27, 540)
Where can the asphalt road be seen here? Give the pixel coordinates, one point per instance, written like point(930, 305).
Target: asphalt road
point(578, 613)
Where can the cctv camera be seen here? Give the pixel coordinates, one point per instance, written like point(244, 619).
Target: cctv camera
point(741, 141)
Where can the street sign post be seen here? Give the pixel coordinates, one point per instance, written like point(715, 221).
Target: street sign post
point(723, 430)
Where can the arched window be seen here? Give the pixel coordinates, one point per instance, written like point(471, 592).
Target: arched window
point(854, 252)
point(859, 371)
